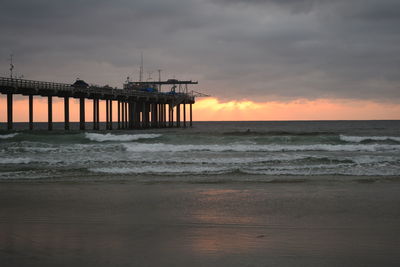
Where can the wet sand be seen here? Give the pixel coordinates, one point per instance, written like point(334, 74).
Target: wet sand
point(178, 224)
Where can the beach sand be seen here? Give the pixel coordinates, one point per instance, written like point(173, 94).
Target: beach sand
point(182, 224)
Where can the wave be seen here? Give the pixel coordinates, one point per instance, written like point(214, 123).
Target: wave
point(313, 170)
point(161, 147)
point(8, 136)
point(15, 160)
point(163, 170)
point(120, 137)
point(276, 133)
point(359, 139)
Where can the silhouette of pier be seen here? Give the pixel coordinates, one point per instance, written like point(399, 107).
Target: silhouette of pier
point(136, 109)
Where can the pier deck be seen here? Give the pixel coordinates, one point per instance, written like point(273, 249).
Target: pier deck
point(135, 109)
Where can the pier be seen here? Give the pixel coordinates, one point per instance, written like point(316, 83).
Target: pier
point(135, 109)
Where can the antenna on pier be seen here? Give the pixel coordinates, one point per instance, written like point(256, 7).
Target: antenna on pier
point(11, 65)
point(149, 73)
point(159, 79)
point(159, 74)
point(141, 67)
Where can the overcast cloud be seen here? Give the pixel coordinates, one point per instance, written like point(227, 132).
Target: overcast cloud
point(238, 49)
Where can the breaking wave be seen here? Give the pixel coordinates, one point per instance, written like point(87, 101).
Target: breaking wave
point(8, 136)
point(359, 139)
point(163, 170)
point(161, 147)
point(119, 138)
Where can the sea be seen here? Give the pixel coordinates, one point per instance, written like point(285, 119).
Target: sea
point(208, 152)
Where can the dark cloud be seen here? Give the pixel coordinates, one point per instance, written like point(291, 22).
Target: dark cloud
point(295, 6)
point(252, 49)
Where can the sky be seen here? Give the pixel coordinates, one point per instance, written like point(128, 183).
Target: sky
point(257, 59)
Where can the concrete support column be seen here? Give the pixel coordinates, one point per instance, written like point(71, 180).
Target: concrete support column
point(82, 113)
point(171, 116)
point(30, 112)
point(159, 117)
point(134, 116)
point(9, 111)
point(191, 117)
point(94, 113)
point(98, 114)
point(151, 115)
point(184, 115)
point(66, 113)
point(107, 114)
point(130, 117)
point(110, 116)
point(144, 115)
point(148, 115)
point(165, 115)
point(50, 113)
point(119, 114)
point(155, 115)
point(126, 115)
point(137, 115)
point(178, 115)
point(123, 115)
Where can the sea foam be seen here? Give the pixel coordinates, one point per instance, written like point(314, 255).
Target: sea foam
point(161, 147)
point(8, 136)
point(119, 138)
point(359, 139)
point(162, 170)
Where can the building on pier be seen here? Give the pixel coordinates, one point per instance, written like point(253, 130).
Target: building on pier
point(137, 106)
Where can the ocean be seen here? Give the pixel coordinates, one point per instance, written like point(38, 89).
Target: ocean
point(208, 152)
point(315, 193)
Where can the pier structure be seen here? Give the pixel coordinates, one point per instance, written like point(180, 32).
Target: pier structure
point(136, 109)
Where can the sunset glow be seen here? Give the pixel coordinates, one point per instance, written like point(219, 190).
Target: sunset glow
point(213, 109)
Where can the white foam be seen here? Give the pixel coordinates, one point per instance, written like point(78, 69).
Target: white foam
point(369, 159)
point(8, 136)
point(160, 147)
point(161, 170)
point(359, 139)
point(313, 171)
point(120, 137)
point(15, 160)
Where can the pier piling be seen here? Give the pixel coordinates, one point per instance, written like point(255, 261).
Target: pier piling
point(111, 119)
point(82, 113)
point(50, 113)
point(119, 114)
point(9, 111)
point(107, 114)
point(30, 112)
point(66, 113)
point(126, 115)
point(184, 115)
point(178, 116)
point(97, 114)
point(94, 113)
point(191, 118)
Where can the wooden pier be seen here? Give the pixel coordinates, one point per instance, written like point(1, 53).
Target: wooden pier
point(135, 109)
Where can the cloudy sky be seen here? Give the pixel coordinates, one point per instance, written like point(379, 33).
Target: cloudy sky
point(253, 50)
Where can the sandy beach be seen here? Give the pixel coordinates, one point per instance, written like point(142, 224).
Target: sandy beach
point(182, 224)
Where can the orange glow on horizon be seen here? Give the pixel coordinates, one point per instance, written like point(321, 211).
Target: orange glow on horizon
point(212, 109)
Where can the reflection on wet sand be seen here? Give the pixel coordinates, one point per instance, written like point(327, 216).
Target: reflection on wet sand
point(198, 225)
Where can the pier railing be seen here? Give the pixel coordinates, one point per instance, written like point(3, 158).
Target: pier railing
point(22, 83)
point(91, 90)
